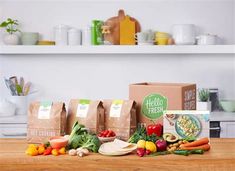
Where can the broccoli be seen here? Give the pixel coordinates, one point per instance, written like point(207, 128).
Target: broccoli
point(92, 143)
point(80, 138)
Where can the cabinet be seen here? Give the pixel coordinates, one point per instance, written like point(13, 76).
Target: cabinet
point(227, 130)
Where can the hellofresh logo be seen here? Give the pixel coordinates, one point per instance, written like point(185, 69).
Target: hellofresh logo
point(154, 105)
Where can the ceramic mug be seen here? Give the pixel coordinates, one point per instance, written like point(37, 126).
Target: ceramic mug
point(141, 37)
point(74, 37)
point(161, 38)
point(61, 35)
point(29, 38)
point(150, 36)
point(184, 34)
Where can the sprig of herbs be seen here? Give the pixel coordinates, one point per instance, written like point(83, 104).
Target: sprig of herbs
point(10, 25)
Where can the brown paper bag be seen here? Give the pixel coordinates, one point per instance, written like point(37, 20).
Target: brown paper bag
point(45, 120)
point(86, 112)
point(120, 116)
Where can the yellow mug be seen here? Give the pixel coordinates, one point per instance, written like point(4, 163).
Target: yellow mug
point(161, 38)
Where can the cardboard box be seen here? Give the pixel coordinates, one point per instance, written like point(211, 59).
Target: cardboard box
point(186, 123)
point(153, 98)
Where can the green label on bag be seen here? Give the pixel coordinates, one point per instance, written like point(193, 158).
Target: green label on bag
point(84, 101)
point(116, 108)
point(44, 110)
point(83, 107)
point(154, 105)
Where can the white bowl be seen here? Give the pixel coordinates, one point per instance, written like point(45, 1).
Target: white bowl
point(107, 139)
point(228, 105)
point(7, 108)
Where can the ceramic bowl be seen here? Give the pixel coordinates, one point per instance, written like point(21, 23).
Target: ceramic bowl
point(29, 38)
point(106, 139)
point(228, 105)
point(7, 108)
point(58, 142)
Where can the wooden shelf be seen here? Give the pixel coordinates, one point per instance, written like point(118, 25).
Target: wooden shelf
point(112, 49)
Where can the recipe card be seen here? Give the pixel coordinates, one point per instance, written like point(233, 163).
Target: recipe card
point(187, 123)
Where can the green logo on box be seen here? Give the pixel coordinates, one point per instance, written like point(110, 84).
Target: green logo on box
point(154, 105)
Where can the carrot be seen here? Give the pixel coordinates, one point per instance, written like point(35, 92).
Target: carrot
point(196, 143)
point(204, 147)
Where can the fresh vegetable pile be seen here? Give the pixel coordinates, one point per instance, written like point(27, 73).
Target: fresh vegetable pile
point(80, 142)
point(151, 142)
point(141, 134)
point(44, 149)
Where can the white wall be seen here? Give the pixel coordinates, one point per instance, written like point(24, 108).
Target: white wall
point(61, 77)
point(234, 20)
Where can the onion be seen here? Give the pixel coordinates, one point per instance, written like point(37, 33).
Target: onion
point(161, 145)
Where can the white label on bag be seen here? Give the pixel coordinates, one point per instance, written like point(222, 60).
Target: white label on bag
point(83, 108)
point(116, 108)
point(44, 110)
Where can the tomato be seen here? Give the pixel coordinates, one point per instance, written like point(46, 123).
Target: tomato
point(107, 133)
point(113, 134)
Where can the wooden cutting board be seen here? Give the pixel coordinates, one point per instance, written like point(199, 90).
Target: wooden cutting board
point(127, 31)
point(114, 24)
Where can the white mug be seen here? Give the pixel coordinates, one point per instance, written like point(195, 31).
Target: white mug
point(74, 37)
point(141, 37)
point(184, 34)
point(150, 35)
point(61, 34)
point(86, 36)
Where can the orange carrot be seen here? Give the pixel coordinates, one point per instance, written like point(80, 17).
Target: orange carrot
point(204, 147)
point(196, 143)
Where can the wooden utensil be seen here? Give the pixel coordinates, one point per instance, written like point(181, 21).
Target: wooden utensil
point(26, 88)
point(127, 31)
point(114, 24)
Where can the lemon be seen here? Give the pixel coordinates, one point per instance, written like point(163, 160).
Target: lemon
point(141, 144)
point(150, 146)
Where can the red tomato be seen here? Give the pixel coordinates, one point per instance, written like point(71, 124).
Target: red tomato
point(113, 134)
point(109, 134)
point(106, 132)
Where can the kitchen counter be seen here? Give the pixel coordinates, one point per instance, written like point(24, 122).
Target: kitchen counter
point(222, 116)
point(220, 157)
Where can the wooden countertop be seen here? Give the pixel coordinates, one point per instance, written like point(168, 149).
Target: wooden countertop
point(221, 157)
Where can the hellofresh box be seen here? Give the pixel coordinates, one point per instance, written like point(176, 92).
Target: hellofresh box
point(186, 124)
point(154, 98)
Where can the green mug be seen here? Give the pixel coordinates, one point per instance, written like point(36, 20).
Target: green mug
point(29, 38)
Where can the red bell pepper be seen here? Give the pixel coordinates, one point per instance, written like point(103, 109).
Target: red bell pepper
point(48, 151)
point(155, 129)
